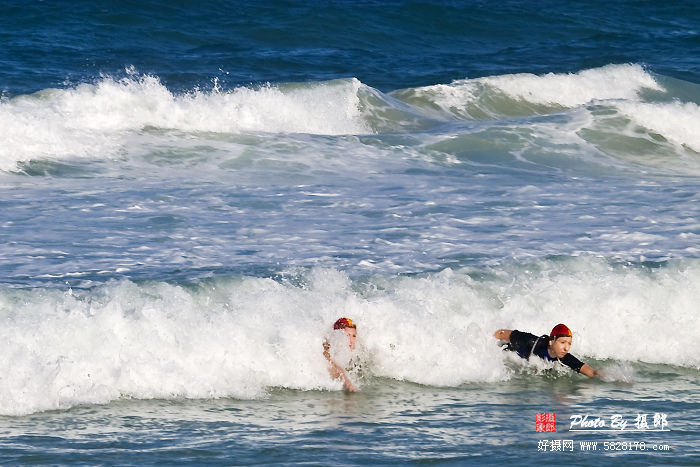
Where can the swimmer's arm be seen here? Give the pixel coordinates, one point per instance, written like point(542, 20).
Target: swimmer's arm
point(336, 371)
point(503, 334)
point(346, 381)
point(590, 372)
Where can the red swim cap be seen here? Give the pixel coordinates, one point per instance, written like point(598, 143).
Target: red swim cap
point(343, 323)
point(560, 330)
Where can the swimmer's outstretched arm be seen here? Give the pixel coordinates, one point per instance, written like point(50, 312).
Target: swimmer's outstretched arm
point(590, 372)
point(336, 371)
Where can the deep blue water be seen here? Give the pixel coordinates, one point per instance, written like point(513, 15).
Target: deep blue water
point(387, 45)
point(192, 193)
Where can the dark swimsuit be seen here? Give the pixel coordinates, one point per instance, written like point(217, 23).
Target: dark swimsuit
point(526, 344)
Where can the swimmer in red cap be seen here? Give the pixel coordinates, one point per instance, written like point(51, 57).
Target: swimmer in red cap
point(336, 371)
point(550, 348)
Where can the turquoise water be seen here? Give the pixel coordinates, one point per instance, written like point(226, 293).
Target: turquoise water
point(192, 194)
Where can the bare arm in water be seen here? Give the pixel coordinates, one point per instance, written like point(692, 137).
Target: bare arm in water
point(336, 371)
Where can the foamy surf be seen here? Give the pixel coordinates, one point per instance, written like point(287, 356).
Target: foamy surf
point(604, 116)
point(240, 337)
point(95, 120)
point(497, 97)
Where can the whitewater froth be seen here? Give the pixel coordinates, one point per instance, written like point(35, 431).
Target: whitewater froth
point(239, 337)
point(95, 120)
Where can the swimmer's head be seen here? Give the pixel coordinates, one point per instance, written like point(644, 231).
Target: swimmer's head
point(560, 330)
point(350, 329)
point(560, 340)
point(343, 323)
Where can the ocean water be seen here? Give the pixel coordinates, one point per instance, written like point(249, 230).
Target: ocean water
point(192, 194)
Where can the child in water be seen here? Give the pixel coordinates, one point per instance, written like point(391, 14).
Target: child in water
point(554, 347)
point(337, 371)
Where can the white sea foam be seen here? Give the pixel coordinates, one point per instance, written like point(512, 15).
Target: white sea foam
point(94, 120)
point(675, 121)
point(471, 98)
point(575, 89)
point(240, 337)
point(117, 119)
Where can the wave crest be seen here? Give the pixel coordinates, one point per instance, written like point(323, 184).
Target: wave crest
point(94, 120)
